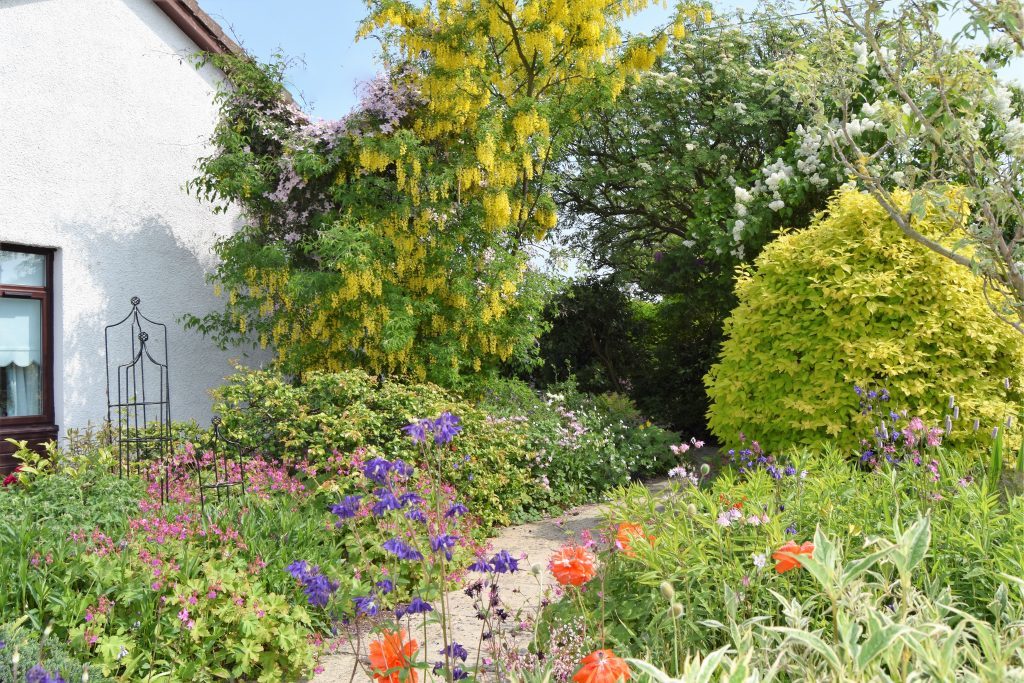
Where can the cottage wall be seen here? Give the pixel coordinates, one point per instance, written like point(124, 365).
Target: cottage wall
point(102, 119)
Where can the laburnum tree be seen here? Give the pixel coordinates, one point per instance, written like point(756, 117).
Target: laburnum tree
point(397, 238)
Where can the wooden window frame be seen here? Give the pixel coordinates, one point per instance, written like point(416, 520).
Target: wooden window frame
point(36, 429)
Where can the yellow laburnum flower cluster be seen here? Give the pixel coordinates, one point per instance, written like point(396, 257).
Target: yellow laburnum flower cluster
point(497, 80)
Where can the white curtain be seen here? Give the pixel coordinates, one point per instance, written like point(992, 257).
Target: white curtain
point(21, 355)
point(23, 395)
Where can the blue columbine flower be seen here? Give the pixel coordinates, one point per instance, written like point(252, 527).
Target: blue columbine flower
point(318, 588)
point(504, 563)
point(456, 651)
point(417, 606)
point(456, 510)
point(410, 498)
point(443, 542)
point(458, 674)
point(791, 529)
point(402, 468)
point(446, 426)
point(419, 430)
point(298, 569)
point(377, 470)
point(366, 606)
point(386, 586)
point(402, 550)
point(347, 508)
point(481, 565)
point(416, 516)
point(37, 674)
point(386, 500)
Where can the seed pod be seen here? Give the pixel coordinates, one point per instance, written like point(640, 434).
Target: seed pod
point(677, 610)
point(667, 591)
point(691, 510)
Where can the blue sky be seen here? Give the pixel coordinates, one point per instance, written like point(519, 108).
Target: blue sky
point(321, 33)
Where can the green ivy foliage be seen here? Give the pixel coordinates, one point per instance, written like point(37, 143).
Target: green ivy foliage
point(850, 301)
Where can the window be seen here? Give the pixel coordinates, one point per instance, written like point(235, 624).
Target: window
point(26, 343)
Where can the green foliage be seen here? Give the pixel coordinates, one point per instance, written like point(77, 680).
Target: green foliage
point(519, 455)
point(868, 639)
point(850, 301)
point(34, 648)
point(946, 573)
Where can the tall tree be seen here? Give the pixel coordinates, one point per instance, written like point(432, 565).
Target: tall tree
point(394, 239)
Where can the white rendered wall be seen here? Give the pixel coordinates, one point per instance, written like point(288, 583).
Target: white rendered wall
point(102, 120)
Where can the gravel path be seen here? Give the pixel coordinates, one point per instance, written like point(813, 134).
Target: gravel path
point(521, 593)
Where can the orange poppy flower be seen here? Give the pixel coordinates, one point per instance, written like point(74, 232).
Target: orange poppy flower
point(626, 534)
point(391, 658)
point(785, 562)
point(572, 565)
point(602, 666)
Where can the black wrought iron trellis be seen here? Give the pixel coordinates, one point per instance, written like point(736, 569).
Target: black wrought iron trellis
point(223, 452)
point(139, 394)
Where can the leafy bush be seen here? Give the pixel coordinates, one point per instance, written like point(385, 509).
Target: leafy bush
point(850, 301)
point(520, 454)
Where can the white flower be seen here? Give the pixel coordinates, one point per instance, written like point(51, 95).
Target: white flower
point(739, 107)
point(759, 560)
point(742, 195)
point(1014, 134)
point(690, 146)
point(776, 205)
point(861, 50)
point(741, 210)
point(870, 109)
point(899, 177)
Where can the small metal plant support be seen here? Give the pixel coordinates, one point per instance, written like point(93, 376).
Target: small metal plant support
point(223, 453)
point(139, 394)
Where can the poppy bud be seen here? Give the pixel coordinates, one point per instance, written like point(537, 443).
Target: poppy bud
point(691, 510)
point(47, 631)
point(667, 591)
point(15, 658)
point(536, 569)
point(705, 469)
point(677, 610)
point(85, 673)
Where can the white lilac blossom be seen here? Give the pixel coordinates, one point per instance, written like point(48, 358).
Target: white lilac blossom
point(776, 205)
point(742, 195)
point(861, 51)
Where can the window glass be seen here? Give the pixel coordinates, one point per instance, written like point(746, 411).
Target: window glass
point(20, 268)
point(21, 357)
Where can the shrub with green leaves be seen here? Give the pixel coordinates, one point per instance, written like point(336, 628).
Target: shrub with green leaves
point(850, 301)
point(520, 453)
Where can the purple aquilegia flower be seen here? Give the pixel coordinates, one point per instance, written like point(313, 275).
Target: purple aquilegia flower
point(416, 516)
point(446, 426)
point(417, 606)
point(402, 550)
point(402, 468)
point(318, 588)
point(298, 569)
point(456, 510)
point(481, 565)
point(419, 430)
point(386, 586)
point(410, 498)
point(791, 529)
point(504, 563)
point(377, 470)
point(456, 651)
point(444, 542)
point(366, 606)
point(386, 500)
point(347, 508)
point(37, 674)
point(459, 675)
